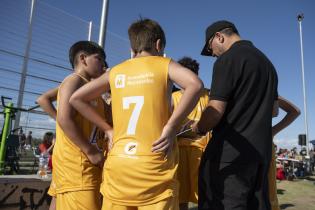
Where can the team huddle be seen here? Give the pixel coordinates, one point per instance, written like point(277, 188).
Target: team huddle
point(141, 147)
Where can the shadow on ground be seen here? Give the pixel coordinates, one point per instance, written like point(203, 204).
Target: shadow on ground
point(280, 191)
point(286, 205)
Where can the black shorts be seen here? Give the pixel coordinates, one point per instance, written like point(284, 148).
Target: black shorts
point(241, 186)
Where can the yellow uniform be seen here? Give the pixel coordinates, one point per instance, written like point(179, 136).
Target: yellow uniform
point(133, 175)
point(72, 171)
point(191, 147)
point(272, 182)
point(52, 189)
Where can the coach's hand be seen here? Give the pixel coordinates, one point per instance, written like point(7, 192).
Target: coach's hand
point(166, 141)
point(95, 156)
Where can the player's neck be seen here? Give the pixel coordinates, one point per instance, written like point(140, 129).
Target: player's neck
point(145, 54)
point(82, 73)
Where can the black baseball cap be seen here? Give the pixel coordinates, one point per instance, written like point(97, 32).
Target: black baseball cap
point(211, 30)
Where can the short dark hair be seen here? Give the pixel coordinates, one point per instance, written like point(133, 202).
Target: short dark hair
point(87, 47)
point(143, 35)
point(48, 138)
point(189, 63)
point(229, 31)
point(105, 64)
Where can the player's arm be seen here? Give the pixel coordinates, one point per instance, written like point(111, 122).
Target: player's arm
point(172, 104)
point(108, 113)
point(45, 101)
point(292, 112)
point(66, 120)
point(192, 87)
point(80, 100)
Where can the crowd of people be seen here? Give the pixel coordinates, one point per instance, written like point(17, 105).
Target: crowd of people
point(293, 164)
point(147, 148)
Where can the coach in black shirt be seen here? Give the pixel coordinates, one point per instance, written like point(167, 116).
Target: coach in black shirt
point(243, 95)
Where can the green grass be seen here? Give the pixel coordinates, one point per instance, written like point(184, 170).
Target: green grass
point(297, 195)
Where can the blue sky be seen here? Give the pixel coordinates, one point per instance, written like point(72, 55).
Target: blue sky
point(271, 25)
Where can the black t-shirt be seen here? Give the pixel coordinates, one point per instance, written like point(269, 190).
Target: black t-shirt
point(247, 81)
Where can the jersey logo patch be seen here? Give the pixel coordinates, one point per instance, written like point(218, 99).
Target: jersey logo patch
point(120, 80)
point(131, 148)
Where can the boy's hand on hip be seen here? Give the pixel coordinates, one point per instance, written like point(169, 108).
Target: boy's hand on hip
point(165, 142)
point(95, 156)
point(109, 135)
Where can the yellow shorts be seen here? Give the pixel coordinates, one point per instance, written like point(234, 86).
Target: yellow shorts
point(83, 200)
point(170, 203)
point(187, 173)
point(272, 182)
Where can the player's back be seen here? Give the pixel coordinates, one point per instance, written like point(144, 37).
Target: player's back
point(141, 107)
point(140, 102)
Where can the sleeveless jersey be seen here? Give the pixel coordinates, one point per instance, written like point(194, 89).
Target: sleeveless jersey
point(72, 169)
point(133, 175)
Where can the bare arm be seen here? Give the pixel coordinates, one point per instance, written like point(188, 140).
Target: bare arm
point(67, 123)
point(292, 112)
point(46, 102)
point(192, 87)
point(81, 98)
point(108, 113)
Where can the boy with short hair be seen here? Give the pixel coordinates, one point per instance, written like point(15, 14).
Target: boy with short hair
point(76, 161)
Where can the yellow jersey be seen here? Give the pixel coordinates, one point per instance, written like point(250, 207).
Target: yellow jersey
point(190, 138)
point(72, 171)
point(133, 175)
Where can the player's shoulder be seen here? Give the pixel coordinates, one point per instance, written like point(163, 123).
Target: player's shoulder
point(71, 82)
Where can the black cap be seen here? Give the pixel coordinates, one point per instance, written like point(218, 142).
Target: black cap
point(211, 30)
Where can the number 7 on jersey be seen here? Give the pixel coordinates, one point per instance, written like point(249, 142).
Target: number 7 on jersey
point(138, 100)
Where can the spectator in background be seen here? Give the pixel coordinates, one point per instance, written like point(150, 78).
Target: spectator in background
point(47, 143)
point(22, 139)
point(28, 142)
point(312, 160)
point(47, 146)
